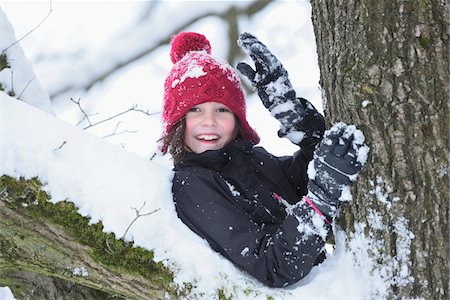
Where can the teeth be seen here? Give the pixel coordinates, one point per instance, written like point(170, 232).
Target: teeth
point(208, 137)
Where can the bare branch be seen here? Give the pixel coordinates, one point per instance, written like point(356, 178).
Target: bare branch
point(109, 118)
point(91, 124)
point(111, 251)
point(11, 92)
point(118, 133)
point(32, 30)
point(138, 215)
point(63, 143)
point(26, 86)
point(86, 116)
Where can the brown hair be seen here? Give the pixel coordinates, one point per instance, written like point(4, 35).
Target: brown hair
point(174, 141)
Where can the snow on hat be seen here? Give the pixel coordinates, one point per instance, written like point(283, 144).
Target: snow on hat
point(196, 78)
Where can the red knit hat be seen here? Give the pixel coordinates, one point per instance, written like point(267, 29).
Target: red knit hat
point(197, 78)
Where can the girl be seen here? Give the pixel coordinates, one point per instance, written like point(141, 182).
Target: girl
point(261, 212)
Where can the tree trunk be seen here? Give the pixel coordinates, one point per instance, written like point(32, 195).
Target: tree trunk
point(384, 67)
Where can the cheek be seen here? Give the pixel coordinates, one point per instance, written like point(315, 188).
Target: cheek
point(188, 132)
point(189, 126)
point(229, 126)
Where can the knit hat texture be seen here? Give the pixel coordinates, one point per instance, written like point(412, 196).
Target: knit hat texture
point(196, 78)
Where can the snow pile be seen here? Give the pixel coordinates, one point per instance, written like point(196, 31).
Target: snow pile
point(6, 294)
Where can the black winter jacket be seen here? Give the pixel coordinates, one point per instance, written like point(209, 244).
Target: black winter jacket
point(230, 197)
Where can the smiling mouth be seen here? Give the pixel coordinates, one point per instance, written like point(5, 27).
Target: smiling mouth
point(208, 137)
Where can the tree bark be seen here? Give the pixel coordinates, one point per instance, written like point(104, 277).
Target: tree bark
point(384, 67)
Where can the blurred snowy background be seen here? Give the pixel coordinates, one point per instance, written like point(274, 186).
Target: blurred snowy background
point(114, 55)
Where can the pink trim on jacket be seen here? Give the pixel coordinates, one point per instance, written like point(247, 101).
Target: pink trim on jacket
point(316, 209)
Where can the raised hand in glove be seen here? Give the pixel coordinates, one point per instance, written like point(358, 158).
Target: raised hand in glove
point(300, 122)
point(337, 162)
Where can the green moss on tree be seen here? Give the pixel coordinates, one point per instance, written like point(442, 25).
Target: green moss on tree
point(28, 197)
point(424, 41)
point(3, 65)
point(3, 61)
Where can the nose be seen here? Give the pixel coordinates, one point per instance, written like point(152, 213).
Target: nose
point(208, 118)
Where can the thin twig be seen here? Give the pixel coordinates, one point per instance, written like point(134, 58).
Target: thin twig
point(121, 132)
point(109, 247)
point(118, 133)
point(11, 92)
point(133, 108)
point(138, 215)
point(86, 115)
point(29, 32)
point(63, 143)
point(26, 86)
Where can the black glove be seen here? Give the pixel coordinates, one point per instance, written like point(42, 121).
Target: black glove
point(300, 121)
point(337, 162)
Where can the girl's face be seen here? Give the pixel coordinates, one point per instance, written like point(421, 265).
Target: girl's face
point(209, 126)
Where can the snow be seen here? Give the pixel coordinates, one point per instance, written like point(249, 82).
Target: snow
point(346, 194)
point(311, 170)
point(365, 103)
point(80, 271)
point(6, 294)
point(382, 191)
point(233, 190)
point(295, 136)
point(107, 183)
point(194, 70)
point(245, 251)
point(19, 77)
point(442, 170)
point(282, 107)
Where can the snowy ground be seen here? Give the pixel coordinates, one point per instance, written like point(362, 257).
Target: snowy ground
point(106, 182)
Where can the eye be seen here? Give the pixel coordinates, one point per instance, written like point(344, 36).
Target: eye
point(223, 109)
point(194, 109)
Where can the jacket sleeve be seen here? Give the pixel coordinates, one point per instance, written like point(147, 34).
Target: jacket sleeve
point(294, 168)
point(276, 255)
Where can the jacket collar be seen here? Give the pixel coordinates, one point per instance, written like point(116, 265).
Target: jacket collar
point(216, 159)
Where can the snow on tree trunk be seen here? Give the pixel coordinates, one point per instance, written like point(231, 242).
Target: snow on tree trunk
point(384, 67)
